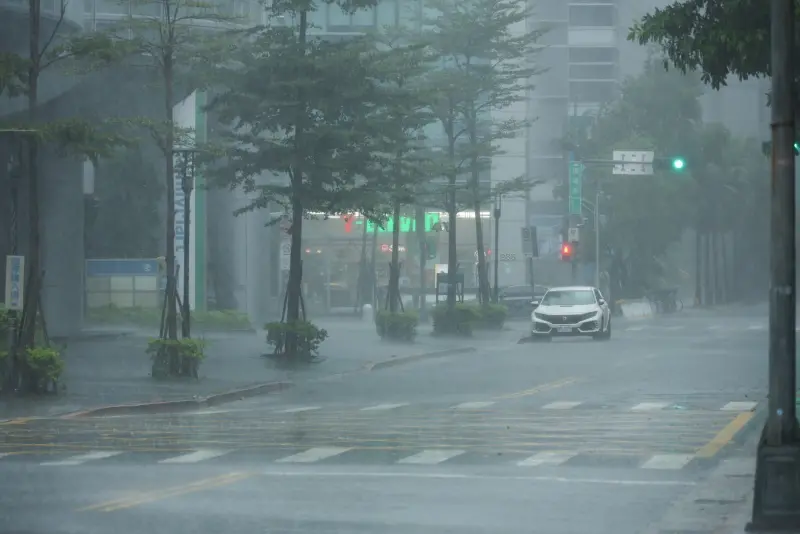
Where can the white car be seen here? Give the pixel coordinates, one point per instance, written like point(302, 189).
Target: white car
point(571, 311)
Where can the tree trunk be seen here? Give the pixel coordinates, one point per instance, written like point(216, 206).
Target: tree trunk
point(373, 269)
point(708, 275)
point(484, 290)
point(169, 142)
point(423, 252)
point(393, 294)
point(361, 288)
point(698, 266)
point(452, 213)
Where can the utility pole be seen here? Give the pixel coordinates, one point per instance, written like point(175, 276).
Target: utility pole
point(776, 502)
point(498, 205)
point(187, 184)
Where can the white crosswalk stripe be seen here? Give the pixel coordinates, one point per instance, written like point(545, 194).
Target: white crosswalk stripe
point(561, 405)
point(313, 455)
point(547, 458)
point(668, 461)
point(383, 407)
point(740, 406)
point(431, 456)
point(474, 405)
point(649, 406)
point(300, 409)
point(194, 457)
point(82, 458)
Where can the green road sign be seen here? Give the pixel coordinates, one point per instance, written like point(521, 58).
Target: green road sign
point(576, 169)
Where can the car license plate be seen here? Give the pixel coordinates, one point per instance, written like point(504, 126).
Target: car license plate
point(565, 329)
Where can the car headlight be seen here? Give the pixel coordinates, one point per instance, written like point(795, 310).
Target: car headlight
point(538, 316)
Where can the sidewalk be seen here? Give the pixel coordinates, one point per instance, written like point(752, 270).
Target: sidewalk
point(105, 369)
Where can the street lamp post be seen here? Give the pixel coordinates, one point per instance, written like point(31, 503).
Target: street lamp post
point(776, 498)
point(187, 185)
point(498, 204)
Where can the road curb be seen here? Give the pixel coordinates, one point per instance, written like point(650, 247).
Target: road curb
point(385, 364)
point(182, 405)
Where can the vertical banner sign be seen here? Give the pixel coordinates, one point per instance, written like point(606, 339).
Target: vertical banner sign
point(286, 255)
point(15, 282)
point(185, 119)
point(576, 169)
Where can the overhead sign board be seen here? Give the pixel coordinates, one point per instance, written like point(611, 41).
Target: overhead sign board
point(576, 169)
point(633, 162)
point(15, 282)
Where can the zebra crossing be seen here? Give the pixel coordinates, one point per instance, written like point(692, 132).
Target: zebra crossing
point(727, 327)
point(331, 455)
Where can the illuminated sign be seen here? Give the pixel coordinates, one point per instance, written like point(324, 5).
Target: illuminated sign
point(407, 224)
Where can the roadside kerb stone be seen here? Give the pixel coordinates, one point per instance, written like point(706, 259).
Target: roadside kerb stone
point(183, 405)
point(403, 360)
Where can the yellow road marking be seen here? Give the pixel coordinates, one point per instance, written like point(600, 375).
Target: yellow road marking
point(725, 435)
point(541, 388)
point(157, 495)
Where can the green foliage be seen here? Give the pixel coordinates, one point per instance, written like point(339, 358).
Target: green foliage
point(492, 316)
point(459, 321)
point(309, 337)
point(43, 368)
point(176, 357)
point(13, 74)
point(222, 320)
point(716, 37)
point(399, 326)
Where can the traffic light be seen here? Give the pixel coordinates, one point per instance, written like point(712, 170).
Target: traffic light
point(567, 251)
point(678, 164)
point(673, 164)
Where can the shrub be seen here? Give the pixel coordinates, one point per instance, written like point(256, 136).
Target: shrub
point(460, 323)
point(400, 326)
point(176, 357)
point(492, 316)
point(43, 368)
point(309, 338)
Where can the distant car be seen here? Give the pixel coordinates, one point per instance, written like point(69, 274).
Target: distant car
point(571, 311)
point(518, 299)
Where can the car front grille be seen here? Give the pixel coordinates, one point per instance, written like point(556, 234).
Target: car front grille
point(566, 319)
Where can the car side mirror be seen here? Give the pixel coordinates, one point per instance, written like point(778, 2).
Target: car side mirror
point(602, 302)
point(535, 303)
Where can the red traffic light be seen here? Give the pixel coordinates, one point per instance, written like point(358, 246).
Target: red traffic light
point(566, 251)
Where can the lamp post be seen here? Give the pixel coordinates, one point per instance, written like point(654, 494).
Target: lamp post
point(187, 185)
point(498, 204)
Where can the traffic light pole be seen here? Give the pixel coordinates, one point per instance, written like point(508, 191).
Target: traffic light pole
point(776, 499)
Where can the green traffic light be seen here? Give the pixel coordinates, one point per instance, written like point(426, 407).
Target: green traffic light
point(678, 164)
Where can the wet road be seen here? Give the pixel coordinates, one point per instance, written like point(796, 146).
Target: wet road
point(495, 441)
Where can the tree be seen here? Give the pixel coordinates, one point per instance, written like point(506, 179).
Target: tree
point(485, 68)
point(169, 48)
point(302, 128)
point(19, 76)
point(716, 37)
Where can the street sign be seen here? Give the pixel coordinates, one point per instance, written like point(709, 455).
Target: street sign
point(286, 254)
point(573, 235)
point(15, 282)
point(576, 169)
point(122, 267)
point(641, 162)
point(530, 242)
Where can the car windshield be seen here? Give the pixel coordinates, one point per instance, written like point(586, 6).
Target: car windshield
point(568, 297)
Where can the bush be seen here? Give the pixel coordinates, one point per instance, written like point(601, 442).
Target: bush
point(176, 357)
point(225, 320)
point(460, 323)
point(43, 368)
point(400, 326)
point(492, 316)
point(309, 338)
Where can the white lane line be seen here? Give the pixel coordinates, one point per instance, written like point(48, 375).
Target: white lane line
point(739, 406)
point(668, 461)
point(81, 458)
point(313, 455)
point(649, 406)
point(634, 328)
point(382, 407)
point(4, 454)
point(561, 405)
point(474, 405)
point(194, 457)
point(547, 458)
point(676, 327)
point(756, 327)
point(300, 409)
point(431, 456)
point(464, 477)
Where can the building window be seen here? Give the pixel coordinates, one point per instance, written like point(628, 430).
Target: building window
point(596, 71)
point(594, 91)
point(339, 20)
point(594, 15)
point(592, 54)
